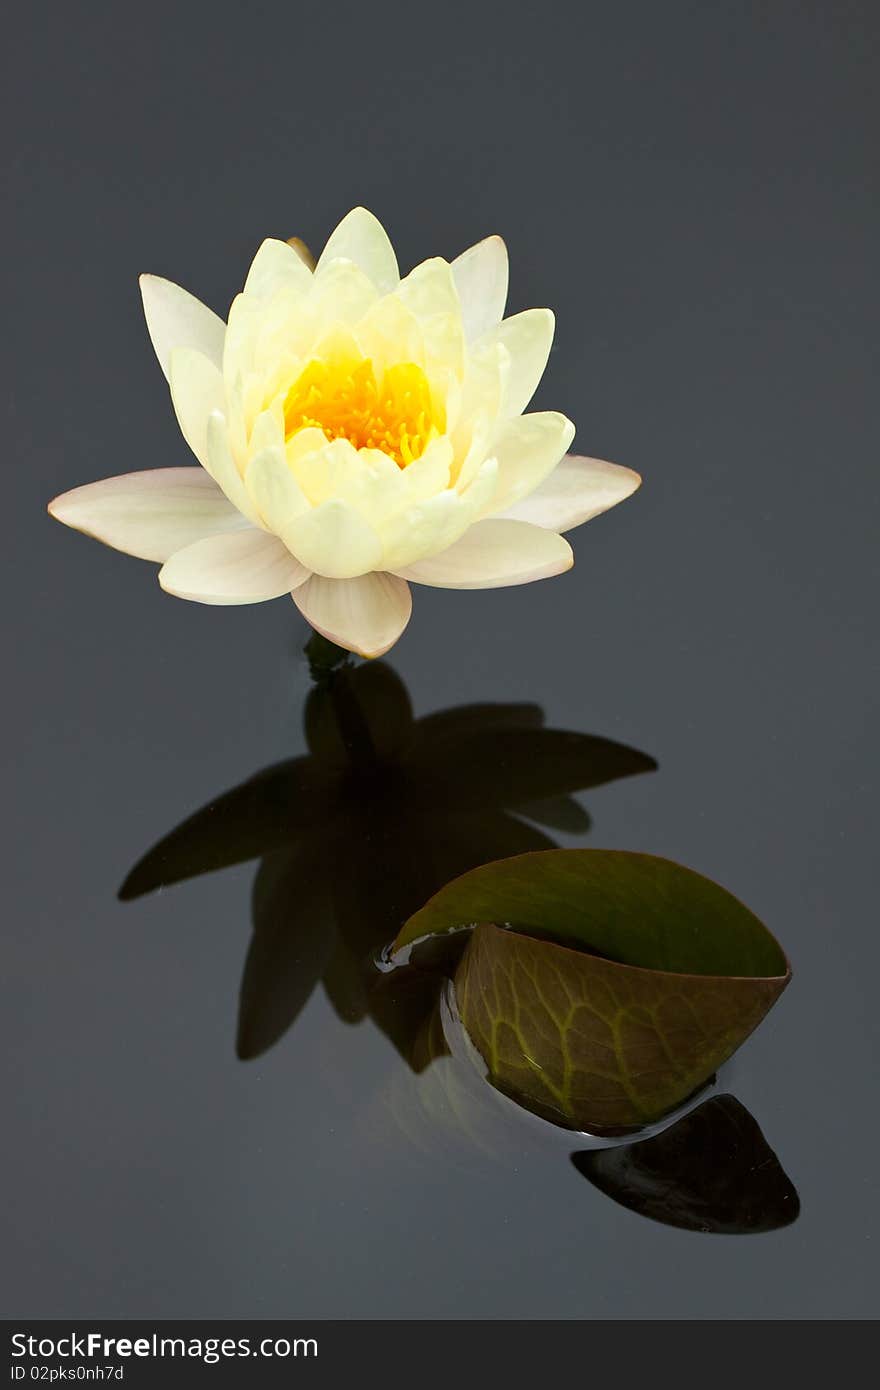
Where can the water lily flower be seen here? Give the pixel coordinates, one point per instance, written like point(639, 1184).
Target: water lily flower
point(355, 431)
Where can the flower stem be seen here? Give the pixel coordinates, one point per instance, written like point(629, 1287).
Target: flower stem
point(324, 657)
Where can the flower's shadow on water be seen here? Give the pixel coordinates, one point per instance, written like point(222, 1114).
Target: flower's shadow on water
point(354, 837)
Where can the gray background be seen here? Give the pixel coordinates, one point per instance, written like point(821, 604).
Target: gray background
point(693, 188)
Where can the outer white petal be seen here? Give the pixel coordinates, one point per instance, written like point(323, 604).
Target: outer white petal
point(150, 514)
point(576, 491)
point(527, 337)
point(196, 391)
point(360, 237)
point(245, 567)
point(364, 615)
point(494, 554)
point(527, 449)
point(275, 265)
point(175, 318)
point(334, 540)
point(481, 275)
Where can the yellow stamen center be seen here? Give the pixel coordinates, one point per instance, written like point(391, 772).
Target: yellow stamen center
point(347, 400)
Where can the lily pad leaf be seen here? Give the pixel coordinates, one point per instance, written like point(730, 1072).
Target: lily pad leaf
point(712, 1171)
point(616, 987)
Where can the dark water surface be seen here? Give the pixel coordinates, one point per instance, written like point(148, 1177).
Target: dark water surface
point(694, 192)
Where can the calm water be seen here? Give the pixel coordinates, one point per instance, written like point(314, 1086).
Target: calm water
point(191, 1135)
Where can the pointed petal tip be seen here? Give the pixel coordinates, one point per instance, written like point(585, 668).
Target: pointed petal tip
point(63, 508)
point(629, 480)
point(365, 615)
point(578, 489)
point(368, 652)
point(59, 510)
point(361, 238)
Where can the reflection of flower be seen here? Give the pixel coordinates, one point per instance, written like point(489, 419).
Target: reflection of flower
point(356, 431)
point(357, 835)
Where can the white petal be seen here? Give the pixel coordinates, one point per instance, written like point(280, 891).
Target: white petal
point(481, 275)
point(150, 514)
point(433, 526)
point(196, 391)
point(338, 472)
point(342, 293)
point(175, 318)
point(480, 492)
point(483, 391)
point(246, 567)
point(390, 333)
point(429, 474)
point(223, 469)
point(364, 615)
point(334, 540)
point(472, 440)
point(267, 431)
point(576, 491)
point(275, 265)
point(430, 289)
point(421, 530)
point(527, 449)
point(361, 238)
point(276, 493)
point(492, 555)
point(527, 337)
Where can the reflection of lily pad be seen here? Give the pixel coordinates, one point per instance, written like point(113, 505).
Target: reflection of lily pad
point(712, 1171)
point(661, 977)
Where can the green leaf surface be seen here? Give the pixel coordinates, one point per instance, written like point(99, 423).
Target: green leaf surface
point(633, 908)
point(617, 986)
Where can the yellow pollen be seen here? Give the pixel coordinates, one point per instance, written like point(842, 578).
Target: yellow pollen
point(346, 400)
